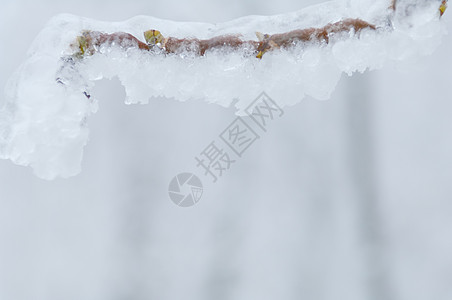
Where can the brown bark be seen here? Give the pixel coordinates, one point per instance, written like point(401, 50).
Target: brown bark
point(322, 34)
point(393, 5)
point(199, 47)
point(442, 7)
point(91, 41)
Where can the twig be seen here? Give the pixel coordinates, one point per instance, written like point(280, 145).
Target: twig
point(91, 41)
point(442, 7)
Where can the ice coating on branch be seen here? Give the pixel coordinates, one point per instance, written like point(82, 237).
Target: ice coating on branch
point(44, 121)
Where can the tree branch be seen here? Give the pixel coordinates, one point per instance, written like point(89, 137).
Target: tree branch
point(442, 7)
point(91, 41)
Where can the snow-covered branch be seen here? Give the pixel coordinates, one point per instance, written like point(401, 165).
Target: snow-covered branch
point(44, 122)
point(90, 41)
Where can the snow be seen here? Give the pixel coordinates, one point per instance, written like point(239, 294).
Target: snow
point(44, 121)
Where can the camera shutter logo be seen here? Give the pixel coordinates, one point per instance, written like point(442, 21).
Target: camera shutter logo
point(185, 189)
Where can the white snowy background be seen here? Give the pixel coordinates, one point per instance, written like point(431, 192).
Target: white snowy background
point(349, 198)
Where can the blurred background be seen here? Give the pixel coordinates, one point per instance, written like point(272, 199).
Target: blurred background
point(349, 198)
